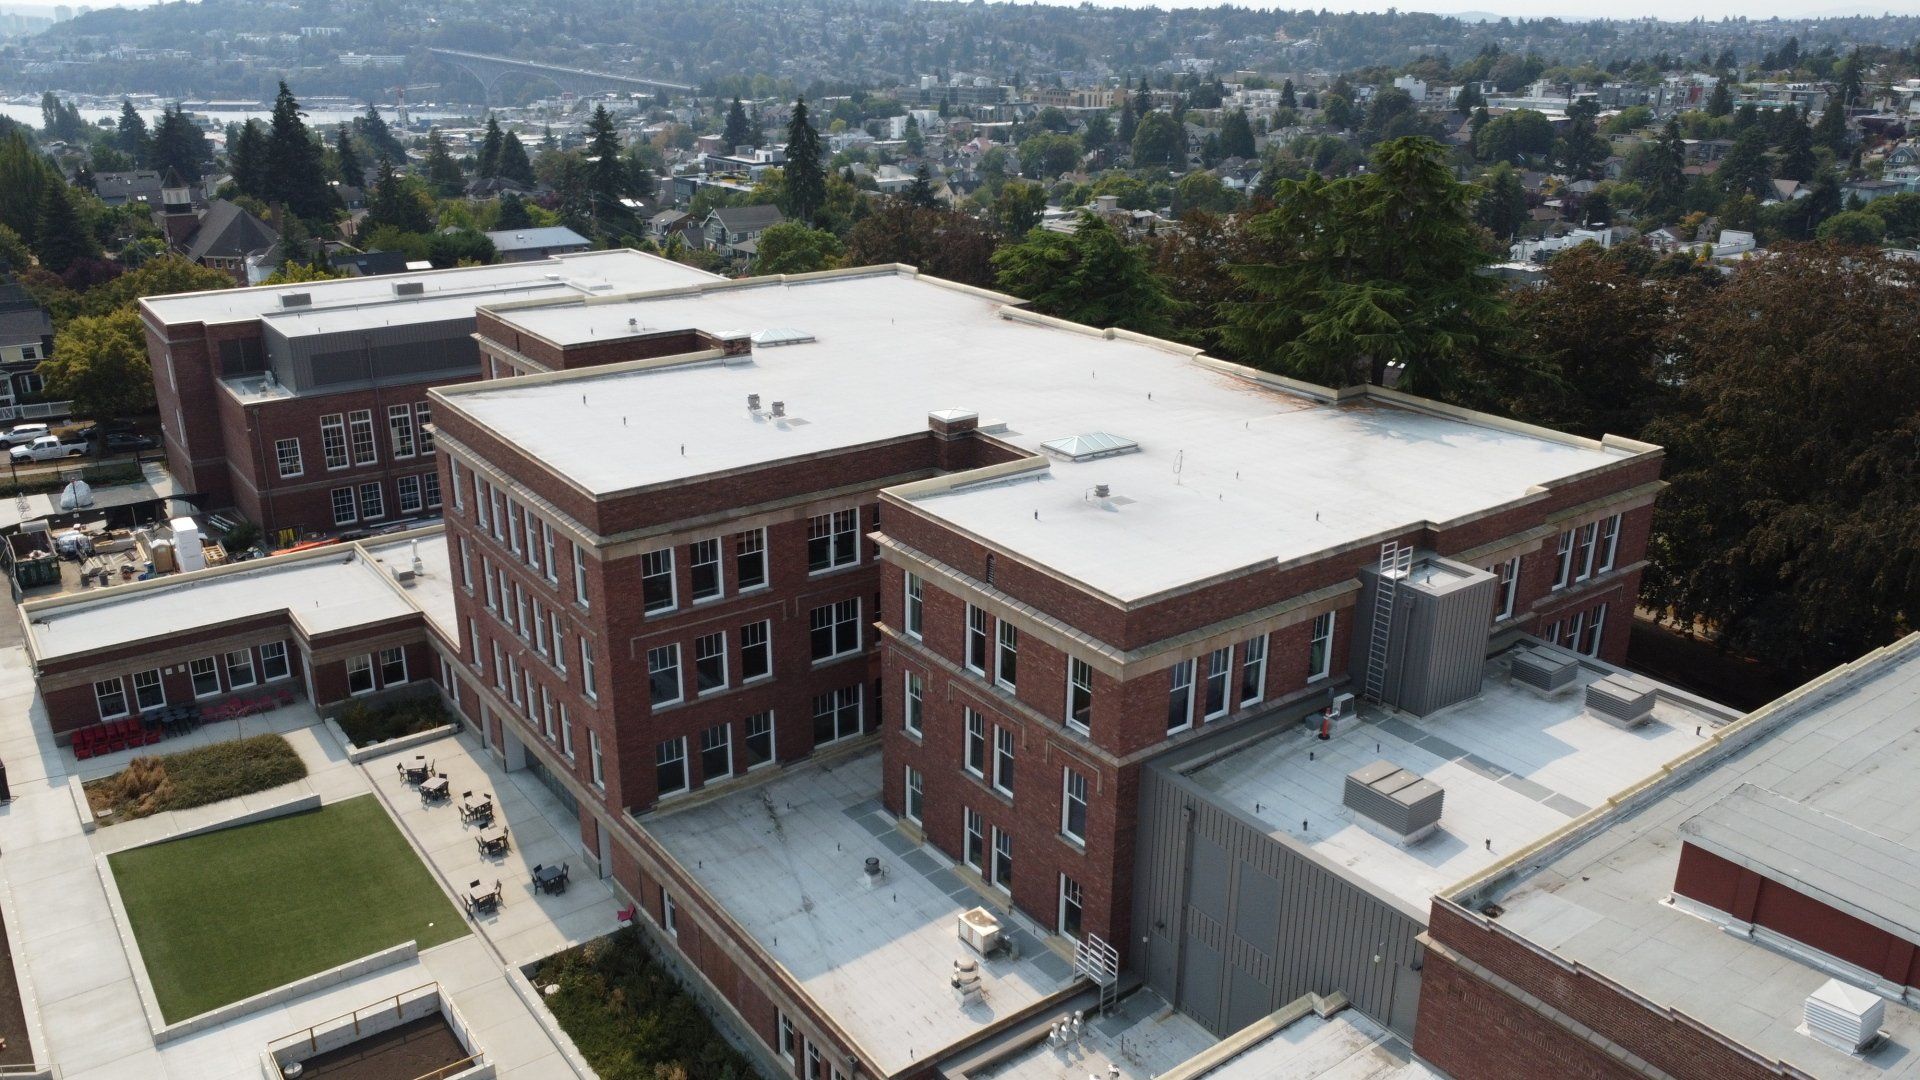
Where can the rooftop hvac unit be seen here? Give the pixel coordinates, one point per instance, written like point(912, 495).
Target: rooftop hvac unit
point(1420, 632)
point(409, 288)
point(1844, 1017)
point(1621, 699)
point(1389, 800)
point(980, 929)
point(1544, 671)
point(296, 299)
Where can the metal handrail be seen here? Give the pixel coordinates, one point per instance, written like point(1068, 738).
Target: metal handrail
point(311, 1034)
point(465, 1062)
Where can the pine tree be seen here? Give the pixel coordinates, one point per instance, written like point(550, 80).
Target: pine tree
point(920, 192)
point(247, 159)
point(1831, 131)
point(1287, 98)
point(351, 173)
point(513, 213)
point(1129, 123)
point(1744, 170)
point(739, 131)
point(1142, 100)
point(490, 147)
point(1236, 135)
point(1667, 178)
point(1469, 99)
point(1720, 102)
point(64, 238)
point(131, 136)
point(1796, 153)
point(806, 182)
point(442, 171)
point(293, 174)
point(607, 176)
point(393, 203)
point(25, 174)
point(514, 165)
point(378, 137)
point(178, 144)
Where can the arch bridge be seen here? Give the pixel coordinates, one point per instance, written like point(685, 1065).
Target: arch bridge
point(489, 70)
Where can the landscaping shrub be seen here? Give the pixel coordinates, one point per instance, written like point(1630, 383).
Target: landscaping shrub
point(228, 770)
point(365, 725)
point(631, 1018)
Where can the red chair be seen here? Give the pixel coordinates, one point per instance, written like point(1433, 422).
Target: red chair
point(82, 749)
point(153, 736)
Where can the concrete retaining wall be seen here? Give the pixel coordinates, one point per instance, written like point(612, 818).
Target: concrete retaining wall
point(359, 754)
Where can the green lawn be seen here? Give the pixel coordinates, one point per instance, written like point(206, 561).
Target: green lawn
point(230, 914)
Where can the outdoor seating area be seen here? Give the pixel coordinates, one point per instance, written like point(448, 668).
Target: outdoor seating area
point(153, 725)
point(551, 880)
point(493, 842)
point(416, 772)
point(476, 811)
point(481, 900)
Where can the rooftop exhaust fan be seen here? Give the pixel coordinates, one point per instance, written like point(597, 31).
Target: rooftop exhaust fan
point(1388, 800)
point(1844, 1017)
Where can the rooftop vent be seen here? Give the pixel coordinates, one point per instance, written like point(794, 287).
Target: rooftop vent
point(753, 402)
point(1389, 800)
point(409, 288)
point(1621, 699)
point(296, 299)
point(1086, 447)
point(1844, 1017)
point(779, 408)
point(1544, 671)
point(775, 336)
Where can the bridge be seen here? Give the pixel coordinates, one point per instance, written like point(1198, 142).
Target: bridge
point(489, 70)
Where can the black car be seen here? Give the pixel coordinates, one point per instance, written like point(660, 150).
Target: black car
point(124, 442)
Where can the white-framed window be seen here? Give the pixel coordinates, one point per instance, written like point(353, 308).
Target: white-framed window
point(406, 491)
point(539, 626)
point(360, 437)
point(657, 591)
point(499, 668)
point(973, 850)
point(593, 756)
point(816, 1064)
point(205, 673)
point(916, 606)
point(836, 715)
point(579, 575)
point(789, 1038)
point(663, 673)
point(1596, 626)
point(1563, 561)
point(976, 658)
point(466, 563)
point(344, 512)
point(1006, 657)
point(670, 765)
point(1506, 588)
point(915, 802)
point(1253, 670)
point(545, 560)
point(459, 490)
point(287, 453)
point(110, 696)
point(547, 723)
point(333, 440)
point(360, 675)
point(423, 421)
point(1219, 672)
point(1320, 647)
point(148, 691)
point(834, 629)
point(522, 623)
point(716, 753)
point(480, 513)
point(557, 631)
point(400, 429)
point(1586, 550)
point(566, 732)
point(373, 501)
point(1609, 543)
point(430, 488)
point(1003, 760)
point(1002, 860)
point(915, 707)
point(497, 512)
point(833, 541)
point(1180, 697)
point(703, 566)
point(493, 584)
point(1073, 805)
point(759, 739)
point(586, 670)
point(750, 559)
point(1070, 908)
point(709, 663)
point(1079, 695)
point(393, 666)
point(239, 668)
point(473, 635)
point(516, 524)
point(756, 650)
point(273, 662)
point(974, 759)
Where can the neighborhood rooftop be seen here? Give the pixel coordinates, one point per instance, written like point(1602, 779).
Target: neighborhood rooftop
point(1264, 472)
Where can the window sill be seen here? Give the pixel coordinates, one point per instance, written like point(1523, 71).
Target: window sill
point(1318, 678)
point(918, 737)
point(988, 789)
point(1079, 846)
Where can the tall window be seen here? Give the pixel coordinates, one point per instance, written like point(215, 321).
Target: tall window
point(1609, 543)
point(360, 437)
point(836, 715)
point(393, 667)
point(1073, 805)
point(976, 750)
point(360, 674)
point(833, 540)
point(656, 580)
point(834, 629)
point(916, 690)
point(1003, 760)
point(148, 691)
point(543, 555)
point(400, 429)
point(1070, 909)
point(1506, 590)
point(287, 453)
point(344, 512)
point(974, 851)
point(1180, 697)
point(1002, 859)
point(710, 662)
point(756, 651)
point(670, 765)
point(579, 575)
point(716, 753)
point(703, 560)
point(916, 606)
point(663, 674)
point(1219, 671)
point(373, 501)
point(422, 418)
point(586, 670)
point(1006, 658)
point(406, 489)
point(1253, 670)
point(273, 661)
point(1320, 647)
point(789, 1038)
point(1596, 626)
point(916, 795)
point(750, 560)
point(333, 440)
point(206, 676)
point(430, 486)
point(593, 754)
point(111, 697)
point(1563, 574)
point(240, 668)
point(1079, 695)
point(1584, 552)
point(976, 640)
point(759, 739)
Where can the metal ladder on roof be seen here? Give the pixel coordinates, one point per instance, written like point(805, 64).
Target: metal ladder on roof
point(1395, 562)
point(1100, 963)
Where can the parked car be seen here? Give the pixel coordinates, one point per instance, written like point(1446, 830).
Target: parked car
point(125, 442)
point(21, 434)
point(49, 448)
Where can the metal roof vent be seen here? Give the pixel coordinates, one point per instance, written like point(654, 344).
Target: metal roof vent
point(1090, 445)
point(779, 408)
point(296, 299)
point(1393, 802)
point(409, 288)
point(1844, 1017)
point(775, 336)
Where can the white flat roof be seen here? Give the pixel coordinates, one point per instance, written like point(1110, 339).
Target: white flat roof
point(1514, 767)
point(445, 294)
point(431, 588)
point(1262, 473)
point(785, 860)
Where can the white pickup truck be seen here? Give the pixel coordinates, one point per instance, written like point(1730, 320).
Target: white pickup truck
point(50, 448)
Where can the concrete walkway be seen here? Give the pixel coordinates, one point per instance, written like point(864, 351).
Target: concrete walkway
point(77, 987)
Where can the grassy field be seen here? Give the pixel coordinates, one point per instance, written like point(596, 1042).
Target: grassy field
point(225, 770)
point(230, 914)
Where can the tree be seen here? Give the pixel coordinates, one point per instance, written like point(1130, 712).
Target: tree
point(920, 191)
point(739, 131)
point(1236, 135)
point(1019, 206)
point(793, 248)
point(487, 164)
point(1514, 136)
point(1129, 123)
point(99, 363)
point(1287, 99)
point(1859, 228)
point(63, 239)
point(15, 256)
point(396, 203)
point(1581, 150)
point(1502, 205)
point(1469, 99)
point(1665, 176)
point(1850, 84)
point(806, 180)
point(513, 213)
point(25, 176)
point(1160, 140)
point(1788, 526)
point(130, 136)
point(1372, 274)
point(378, 137)
point(1720, 102)
point(1339, 112)
point(442, 172)
point(1098, 133)
point(606, 175)
point(1831, 130)
point(1797, 161)
point(1745, 170)
point(1046, 156)
point(294, 273)
point(916, 142)
point(347, 159)
point(514, 165)
point(178, 144)
point(1203, 191)
point(293, 175)
point(943, 242)
point(1091, 275)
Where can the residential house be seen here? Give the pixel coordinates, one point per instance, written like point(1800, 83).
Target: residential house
point(734, 230)
point(26, 338)
point(526, 245)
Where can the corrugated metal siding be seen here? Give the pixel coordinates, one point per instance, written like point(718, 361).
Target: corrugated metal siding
point(1451, 629)
point(1237, 923)
point(378, 355)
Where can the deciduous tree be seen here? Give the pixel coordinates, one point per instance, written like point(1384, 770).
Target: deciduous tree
point(100, 364)
point(1091, 275)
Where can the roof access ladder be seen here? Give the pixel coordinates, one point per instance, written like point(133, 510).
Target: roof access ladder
point(1395, 563)
point(1100, 963)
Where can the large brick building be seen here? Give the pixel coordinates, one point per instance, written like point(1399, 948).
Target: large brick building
point(304, 406)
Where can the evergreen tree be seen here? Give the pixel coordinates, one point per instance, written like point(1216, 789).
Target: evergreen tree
point(1796, 153)
point(514, 165)
point(1469, 99)
point(442, 171)
point(1745, 170)
point(393, 202)
point(293, 174)
point(25, 176)
point(1581, 149)
point(1142, 100)
point(1720, 102)
point(513, 213)
point(1502, 205)
point(1287, 99)
point(739, 131)
point(607, 176)
point(1236, 135)
point(131, 135)
point(490, 147)
point(1129, 123)
point(1161, 140)
point(378, 137)
point(1666, 181)
point(806, 182)
point(351, 172)
point(915, 140)
point(247, 159)
point(920, 192)
point(1849, 85)
point(1098, 133)
point(1831, 131)
point(180, 145)
point(63, 238)
point(1091, 275)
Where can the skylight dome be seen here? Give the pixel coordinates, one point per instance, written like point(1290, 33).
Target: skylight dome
point(1090, 445)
